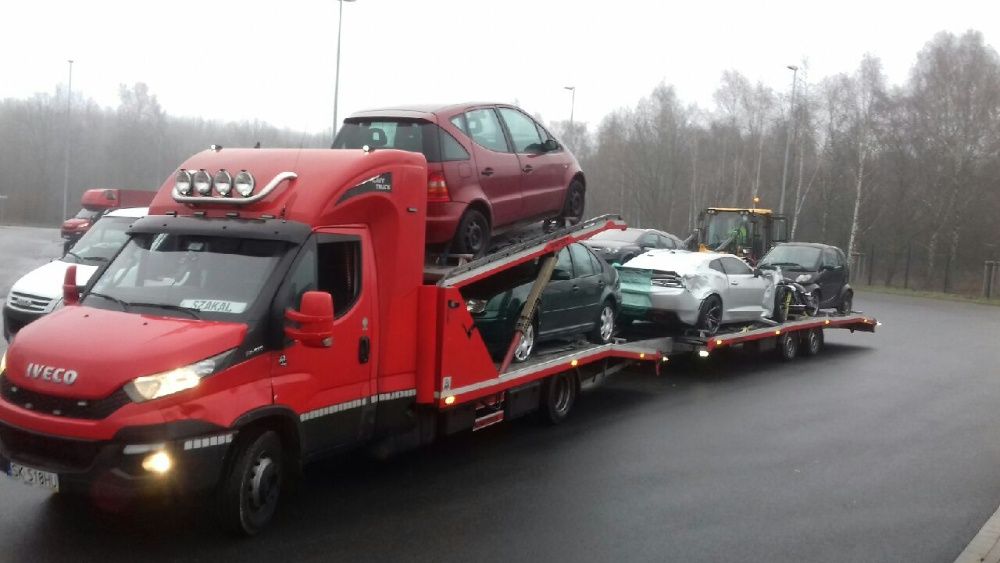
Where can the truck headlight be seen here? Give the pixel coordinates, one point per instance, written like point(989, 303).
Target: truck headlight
point(149, 387)
point(183, 182)
point(476, 306)
point(223, 183)
point(244, 183)
point(804, 278)
point(202, 182)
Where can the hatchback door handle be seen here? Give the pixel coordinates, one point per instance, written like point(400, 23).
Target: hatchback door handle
point(576, 288)
point(487, 171)
point(528, 168)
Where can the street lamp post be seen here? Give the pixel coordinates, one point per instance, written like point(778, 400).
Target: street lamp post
point(336, 82)
point(572, 104)
point(788, 138)
point(69, 108)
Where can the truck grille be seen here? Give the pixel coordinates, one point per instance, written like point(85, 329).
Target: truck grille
point(27, 302)
point(90, 409)
point(47, 452)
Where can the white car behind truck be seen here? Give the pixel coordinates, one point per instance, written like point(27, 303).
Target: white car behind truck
point(40, 291)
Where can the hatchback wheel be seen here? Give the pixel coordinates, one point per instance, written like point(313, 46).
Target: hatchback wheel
point(575, 204)
point(846, 303)
point(473, 234)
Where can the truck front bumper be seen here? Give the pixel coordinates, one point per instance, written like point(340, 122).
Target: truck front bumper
point(115, 468)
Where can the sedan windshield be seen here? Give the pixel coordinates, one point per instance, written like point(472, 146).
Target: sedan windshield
point(188, 275)
point(792, 257)
point(102, 241)
point(628, 235)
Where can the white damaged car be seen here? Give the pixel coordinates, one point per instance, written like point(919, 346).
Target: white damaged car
point(703, 290)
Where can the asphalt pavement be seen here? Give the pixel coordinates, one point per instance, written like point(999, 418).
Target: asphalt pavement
point(883, 448)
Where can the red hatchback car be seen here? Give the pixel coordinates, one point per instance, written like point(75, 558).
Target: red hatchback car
point(489, 167)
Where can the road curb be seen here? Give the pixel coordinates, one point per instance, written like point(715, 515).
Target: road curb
point(985, 547)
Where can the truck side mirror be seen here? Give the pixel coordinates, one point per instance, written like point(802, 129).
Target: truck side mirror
point(71, 293)
point(314, 319)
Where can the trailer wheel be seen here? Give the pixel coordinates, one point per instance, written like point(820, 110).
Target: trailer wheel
point(249, 492)
point(558, 396)
point(788, 346)
point(814, 341)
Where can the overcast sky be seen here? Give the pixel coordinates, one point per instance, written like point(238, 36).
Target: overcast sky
point(275, 60)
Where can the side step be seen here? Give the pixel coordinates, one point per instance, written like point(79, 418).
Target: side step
point(487, 420)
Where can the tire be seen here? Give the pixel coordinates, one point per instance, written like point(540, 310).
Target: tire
point(604, 328)
point(558, 396)
point(251, 488)
point(818, 300)
point(473, 234)
point(846, 304)
point(814, 342)
point(527, 345)
point(782, 301)
point(575, 204)
point(788, 346)
point(710, 315)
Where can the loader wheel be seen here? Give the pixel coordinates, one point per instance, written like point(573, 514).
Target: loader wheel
point(249, 492)
point(558, 396)
point(788, 346)
point(814, 341)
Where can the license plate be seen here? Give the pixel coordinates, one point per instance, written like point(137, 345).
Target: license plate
point(34, 477)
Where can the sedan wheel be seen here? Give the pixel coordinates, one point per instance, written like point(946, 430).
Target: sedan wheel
point(710, 315)
point(605, 327)
point(524, 349)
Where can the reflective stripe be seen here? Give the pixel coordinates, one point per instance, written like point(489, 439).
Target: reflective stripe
point(208, 441)
point(341, 407)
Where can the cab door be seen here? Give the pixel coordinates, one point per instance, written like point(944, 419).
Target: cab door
point(330, 388)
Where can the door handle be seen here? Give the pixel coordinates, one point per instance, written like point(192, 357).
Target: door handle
point(487, 171)
point(528, 168)
point(364, 349)
point(734, 283)
point(576, 288)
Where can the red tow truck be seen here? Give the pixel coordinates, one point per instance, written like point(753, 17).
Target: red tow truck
point(274, 307)
point(96, 203)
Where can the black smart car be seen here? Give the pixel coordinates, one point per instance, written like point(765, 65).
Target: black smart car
point(583, 297)
point(621, 246)
point(820, 268)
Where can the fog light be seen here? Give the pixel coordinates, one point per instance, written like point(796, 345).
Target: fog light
point(158, 462)
point(450, 400)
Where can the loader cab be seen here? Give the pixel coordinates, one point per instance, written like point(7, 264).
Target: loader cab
point(746, 232)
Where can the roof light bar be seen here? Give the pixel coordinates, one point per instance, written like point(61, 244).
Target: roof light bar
point(244, 184)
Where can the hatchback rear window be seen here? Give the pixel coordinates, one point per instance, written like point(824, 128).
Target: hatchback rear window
point(436, 144)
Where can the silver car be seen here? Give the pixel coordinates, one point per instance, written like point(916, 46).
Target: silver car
point(704, 290)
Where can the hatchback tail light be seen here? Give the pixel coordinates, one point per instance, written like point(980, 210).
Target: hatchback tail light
point(437, 187)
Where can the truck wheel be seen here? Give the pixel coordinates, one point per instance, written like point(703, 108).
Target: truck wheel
point(473, 234)
point(788, 346)
point(604, 328)
point(846, 303)
point(249, 492)
point(710, 315)
point(814, 341)
point(558, 396)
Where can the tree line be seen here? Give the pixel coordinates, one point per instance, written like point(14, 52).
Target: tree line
point(904, 177)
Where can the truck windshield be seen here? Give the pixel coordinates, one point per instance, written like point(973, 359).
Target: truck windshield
point(102, 241)
point(188, 275)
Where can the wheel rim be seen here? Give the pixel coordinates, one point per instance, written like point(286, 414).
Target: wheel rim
point(474, 235)
point(789, 345)
point(607, 323)
point(523, 349)
point(713, 317)
point(563, 394)
point(264, 484)
point(813, 342)
point(576, 204)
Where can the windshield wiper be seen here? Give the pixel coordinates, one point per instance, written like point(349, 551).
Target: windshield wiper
point(189, 310)
point(94, 258)
point(121, 303)
point(74, 254)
